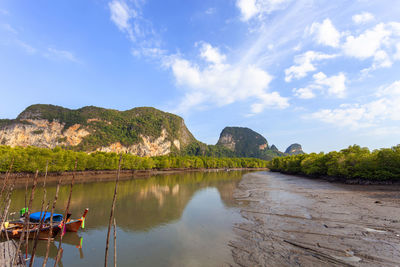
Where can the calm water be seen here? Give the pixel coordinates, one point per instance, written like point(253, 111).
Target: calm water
point(165, 220)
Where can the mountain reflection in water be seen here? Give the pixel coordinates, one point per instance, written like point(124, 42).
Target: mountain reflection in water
point(192, 211)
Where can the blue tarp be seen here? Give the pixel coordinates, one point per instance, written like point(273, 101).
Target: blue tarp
point(35, 217)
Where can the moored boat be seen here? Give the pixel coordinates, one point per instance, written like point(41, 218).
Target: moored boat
point(74, 225)
point(15, 230)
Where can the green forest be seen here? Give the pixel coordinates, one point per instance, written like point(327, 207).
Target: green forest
point(30, 159)
point(353, 162)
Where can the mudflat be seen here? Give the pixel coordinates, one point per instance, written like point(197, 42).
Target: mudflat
point(295, 221)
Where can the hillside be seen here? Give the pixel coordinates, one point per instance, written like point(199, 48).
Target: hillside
point(143, 131)
point(244, 142)
point(294, 149)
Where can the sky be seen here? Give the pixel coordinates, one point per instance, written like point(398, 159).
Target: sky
point(321, 73)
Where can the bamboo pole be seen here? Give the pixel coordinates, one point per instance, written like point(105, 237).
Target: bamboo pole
point(65, 216)
point(115, 243)
point(7, 199)
point(112, 211)
point(37, 235)
point(27, 214)
point(42, 217)
point(51, 222)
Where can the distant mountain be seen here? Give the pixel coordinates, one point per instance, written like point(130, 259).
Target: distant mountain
point(244, 142)
point(144, 131)
point(294, 149)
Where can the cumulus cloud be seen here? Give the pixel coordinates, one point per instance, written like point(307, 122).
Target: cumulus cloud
point(257, 8)
point(363, 17)
point(380, 43)
point(304, 93)
point(304, 64)
point(220, 83)
point(334, 85)
point(385, 106)
point(366, 44)
point(325, 33)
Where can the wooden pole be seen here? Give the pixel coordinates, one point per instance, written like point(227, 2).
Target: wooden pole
point(115, 243)
point(112, 211)
point(65, 216)
point(37, 235)
point(51, 222)
point(27, 214)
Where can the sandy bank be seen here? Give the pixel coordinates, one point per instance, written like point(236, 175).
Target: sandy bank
point(295, 221)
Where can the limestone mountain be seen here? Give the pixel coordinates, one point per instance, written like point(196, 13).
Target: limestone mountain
point(294, 149)
point(244, 142)
point(143, 131)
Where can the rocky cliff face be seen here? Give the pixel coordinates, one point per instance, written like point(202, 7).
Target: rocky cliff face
point(294, 149)
point(41, 133)
point(148, 147)
point(140, 131)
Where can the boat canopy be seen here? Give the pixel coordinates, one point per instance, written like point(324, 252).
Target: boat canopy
point(35, 217)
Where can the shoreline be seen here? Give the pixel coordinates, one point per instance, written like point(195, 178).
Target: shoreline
point(341, 180)
point(311, 222)
point(107, 175)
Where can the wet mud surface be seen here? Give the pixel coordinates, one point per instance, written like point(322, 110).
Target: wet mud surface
point(294, 221)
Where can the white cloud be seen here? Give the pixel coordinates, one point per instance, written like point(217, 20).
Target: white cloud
point(304, 64)
point(334, 86)
point(363, 17)
point(121, 13)
point(221, 84)
point(325, 33)
point(384, 107)
point(257, 8)
point(304, 93)
point(211, 54)
point(368, 43)
point(57, 54)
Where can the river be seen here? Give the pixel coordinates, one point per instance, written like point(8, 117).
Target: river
point(181, 219)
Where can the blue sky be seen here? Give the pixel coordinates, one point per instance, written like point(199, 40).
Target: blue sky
point(321, 73)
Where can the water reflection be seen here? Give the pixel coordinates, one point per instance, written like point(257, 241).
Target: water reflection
point(179, 217)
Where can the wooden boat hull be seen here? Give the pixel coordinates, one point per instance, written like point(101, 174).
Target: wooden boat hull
point(70, 226)
point(43, 233)
point(73, 225)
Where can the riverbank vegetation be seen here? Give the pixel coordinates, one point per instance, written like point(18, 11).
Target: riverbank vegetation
point(30, 159)
point(353, 162)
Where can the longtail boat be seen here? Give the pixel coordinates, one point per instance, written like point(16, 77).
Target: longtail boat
point(70, 225)
point(15, 230)
point(74, 225)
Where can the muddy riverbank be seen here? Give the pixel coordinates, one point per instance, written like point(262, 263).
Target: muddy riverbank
point(295, 221)
point(105, 175)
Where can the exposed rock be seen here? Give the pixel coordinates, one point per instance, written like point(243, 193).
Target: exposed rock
point(41, 133)
point(148, 147)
